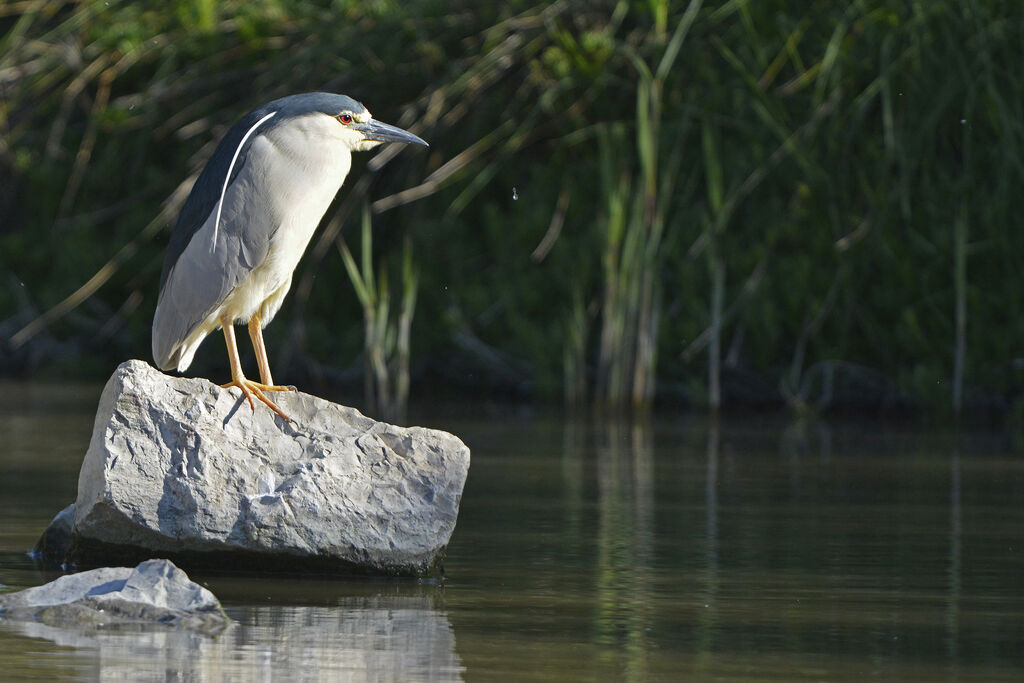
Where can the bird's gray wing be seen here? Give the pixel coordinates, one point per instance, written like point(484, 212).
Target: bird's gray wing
point(231, 154)
point(223, 233)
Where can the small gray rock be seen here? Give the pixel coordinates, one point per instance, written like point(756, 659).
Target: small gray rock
point(181, 467)
point(154, 592)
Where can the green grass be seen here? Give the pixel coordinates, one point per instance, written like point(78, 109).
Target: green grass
point(802, 203)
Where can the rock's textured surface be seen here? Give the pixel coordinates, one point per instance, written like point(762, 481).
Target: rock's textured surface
point(180, 465)
point(154, 592)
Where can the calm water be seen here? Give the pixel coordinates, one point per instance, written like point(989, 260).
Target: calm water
point(671, 551)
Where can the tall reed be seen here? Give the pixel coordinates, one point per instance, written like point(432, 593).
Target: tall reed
point(638, 197)
point(386, 334)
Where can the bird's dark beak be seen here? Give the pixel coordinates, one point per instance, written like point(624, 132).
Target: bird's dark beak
point(375, 131)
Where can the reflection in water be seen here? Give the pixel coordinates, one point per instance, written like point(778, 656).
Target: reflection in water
point(707, 618)
point(625, 537)
point(675, 549)
point(364, 638)
point(953, 606)
point(804, 439)
point(574, 452)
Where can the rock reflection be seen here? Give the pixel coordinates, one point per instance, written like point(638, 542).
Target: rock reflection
point(361, 638)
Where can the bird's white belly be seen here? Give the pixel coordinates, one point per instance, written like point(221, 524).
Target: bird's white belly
point(273, 273)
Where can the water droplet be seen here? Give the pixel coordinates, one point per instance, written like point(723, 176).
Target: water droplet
point(515, 195)
point(963, 122)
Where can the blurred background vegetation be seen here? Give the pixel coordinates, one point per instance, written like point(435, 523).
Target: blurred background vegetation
point(694, 203)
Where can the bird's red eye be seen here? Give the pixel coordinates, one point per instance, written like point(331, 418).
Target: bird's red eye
point(345, 118)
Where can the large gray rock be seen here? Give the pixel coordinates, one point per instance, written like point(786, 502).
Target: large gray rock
point(181, 467)
point(155, 592)
point(52, 546)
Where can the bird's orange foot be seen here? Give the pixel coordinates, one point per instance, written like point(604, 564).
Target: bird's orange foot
point(250, 388)
point(270, 387)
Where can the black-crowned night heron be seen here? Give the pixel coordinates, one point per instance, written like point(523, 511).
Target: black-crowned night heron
point(247, 221)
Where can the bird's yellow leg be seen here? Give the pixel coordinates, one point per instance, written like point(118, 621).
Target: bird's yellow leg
point(248, 387)
point(256, 335)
